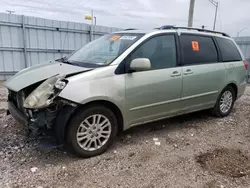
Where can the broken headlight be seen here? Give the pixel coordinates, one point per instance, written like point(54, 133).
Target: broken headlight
point(45, 93)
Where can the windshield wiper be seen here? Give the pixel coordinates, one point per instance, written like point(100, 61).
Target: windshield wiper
point(64, 60)
point(80, 63)
point(68, 62)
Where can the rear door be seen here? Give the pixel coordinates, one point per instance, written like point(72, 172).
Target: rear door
point(203, 74)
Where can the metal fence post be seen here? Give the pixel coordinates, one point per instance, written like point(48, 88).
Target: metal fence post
point(24, 42)
point(90, 33)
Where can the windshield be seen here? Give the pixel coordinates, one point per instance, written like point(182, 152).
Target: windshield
point(104, 50)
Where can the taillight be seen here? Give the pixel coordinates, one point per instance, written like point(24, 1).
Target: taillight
point(245, 64)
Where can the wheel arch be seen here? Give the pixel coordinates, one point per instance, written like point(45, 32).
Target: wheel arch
point(64, 116)
point(113, 107)
point(235, 87)
point(110, 105)
point(215, 110)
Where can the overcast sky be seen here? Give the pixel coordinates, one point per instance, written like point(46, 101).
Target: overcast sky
point(233, 15)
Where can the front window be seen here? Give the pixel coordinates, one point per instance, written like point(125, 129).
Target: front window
point(103, 51)
point(160, 50)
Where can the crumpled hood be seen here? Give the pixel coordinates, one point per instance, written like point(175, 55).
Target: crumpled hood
point(40, 72)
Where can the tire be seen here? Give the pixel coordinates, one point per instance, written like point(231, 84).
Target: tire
point(217, 110)
point(82, 122)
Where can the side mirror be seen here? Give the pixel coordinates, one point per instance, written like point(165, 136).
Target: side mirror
point(140, 64)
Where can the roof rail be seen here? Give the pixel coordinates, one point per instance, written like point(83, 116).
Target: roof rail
point(166, 27)
point(129, 29)
point(197, 29)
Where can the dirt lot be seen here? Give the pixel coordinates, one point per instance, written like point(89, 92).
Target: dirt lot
point(195, 150)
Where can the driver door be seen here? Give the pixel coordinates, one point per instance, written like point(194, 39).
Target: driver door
point(156, 93)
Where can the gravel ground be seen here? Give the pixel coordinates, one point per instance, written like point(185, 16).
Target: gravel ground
point(195, 150)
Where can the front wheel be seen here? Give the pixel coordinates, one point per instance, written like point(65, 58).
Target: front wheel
point(225, 102)
point(91, 131)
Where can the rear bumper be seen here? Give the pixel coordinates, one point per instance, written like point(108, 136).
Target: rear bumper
point(241, 90)
point(17, 114)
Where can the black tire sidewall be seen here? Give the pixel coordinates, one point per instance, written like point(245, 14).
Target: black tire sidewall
point(218, 110)
point(77, 119)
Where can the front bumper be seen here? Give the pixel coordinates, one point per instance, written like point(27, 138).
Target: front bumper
point(39, 126)
point(17, 114)
point(47, 142)
point(48, 122)
point(23, 119)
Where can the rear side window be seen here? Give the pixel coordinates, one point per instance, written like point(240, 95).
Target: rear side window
point(198, 49)
point(228, 50)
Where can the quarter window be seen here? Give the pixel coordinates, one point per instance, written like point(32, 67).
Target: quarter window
point(160, 50)
point(198, 49)
point(228, 50)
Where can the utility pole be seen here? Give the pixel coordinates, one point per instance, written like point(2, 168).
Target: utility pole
point(215, 17)
point(92, 27)
point(191, 13)
point(95, 20)
point(10, 11)
point(93, 23)
point(216, 4)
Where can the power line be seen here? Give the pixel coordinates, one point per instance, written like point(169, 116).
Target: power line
point(213, 2)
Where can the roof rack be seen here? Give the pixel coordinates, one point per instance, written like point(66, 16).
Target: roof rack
point(196, 29)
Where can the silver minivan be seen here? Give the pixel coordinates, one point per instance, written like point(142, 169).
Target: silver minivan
point(126, 79)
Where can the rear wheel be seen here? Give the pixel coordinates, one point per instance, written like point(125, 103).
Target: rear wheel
point(91, 131)
point(225, 102)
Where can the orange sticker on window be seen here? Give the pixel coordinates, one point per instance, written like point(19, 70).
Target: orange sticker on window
point(115, 37)
point(195, 46)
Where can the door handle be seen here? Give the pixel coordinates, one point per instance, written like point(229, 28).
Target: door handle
point(188, 71)
point(175, 74)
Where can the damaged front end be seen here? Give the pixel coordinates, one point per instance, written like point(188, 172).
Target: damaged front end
point(40, 109)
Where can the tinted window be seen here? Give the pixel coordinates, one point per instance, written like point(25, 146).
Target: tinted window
point(198, 49)
point(160, 50)
point(228, 50)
